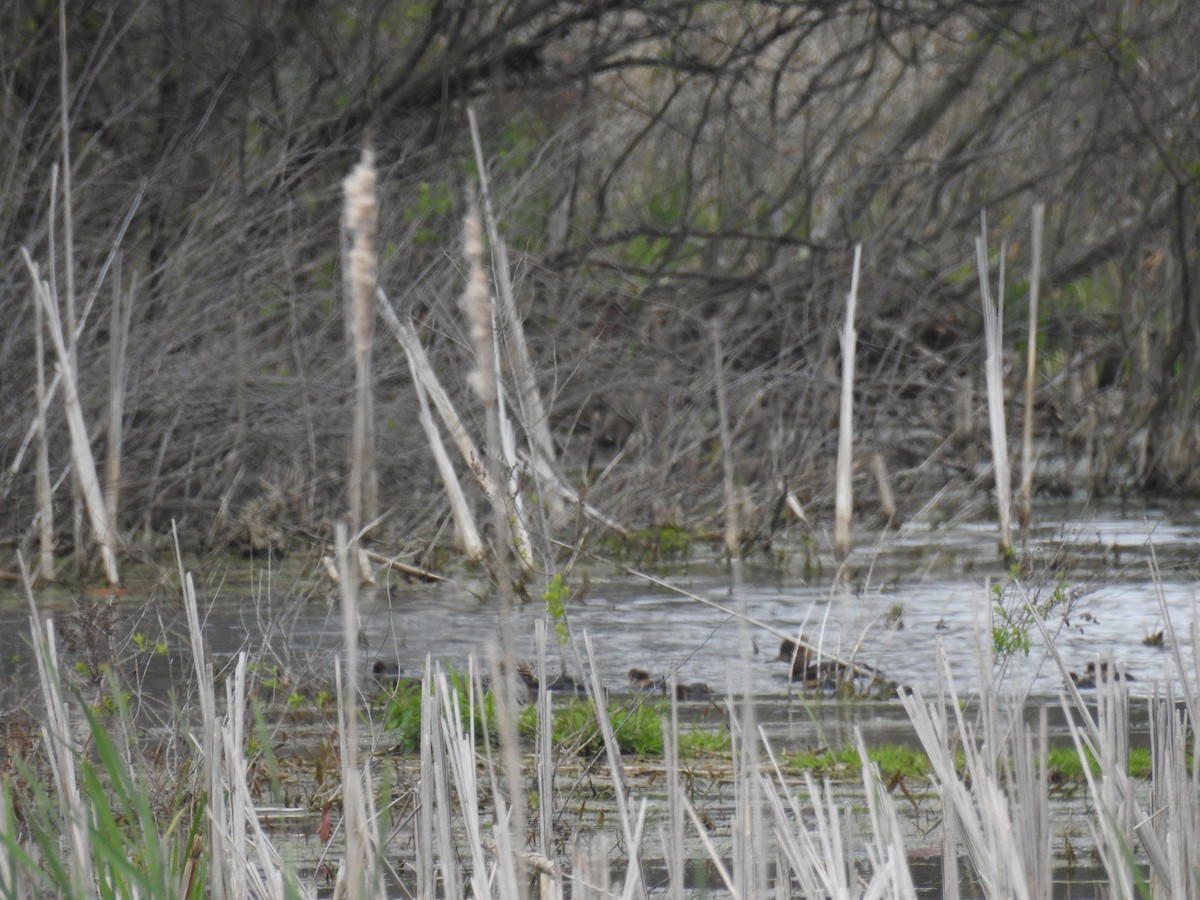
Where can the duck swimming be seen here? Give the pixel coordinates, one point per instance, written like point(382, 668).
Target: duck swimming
point(795, 653)
point(560, 684)
point(807, 667)
point(386, 673)
point(1105, 673)
point(829, 674)
point(697, 690)
point(641, 680)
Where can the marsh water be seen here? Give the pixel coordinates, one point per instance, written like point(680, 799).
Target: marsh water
point(901, 595)
point(1107, 579)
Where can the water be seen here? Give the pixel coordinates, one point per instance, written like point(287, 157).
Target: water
point(896, 603)
point(904, 597)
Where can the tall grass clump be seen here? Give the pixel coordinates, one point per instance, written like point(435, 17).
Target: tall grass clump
point(97, 826)
point(106, 823)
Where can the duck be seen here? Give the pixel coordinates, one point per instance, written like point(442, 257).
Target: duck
point(796, 653)
point(641, 680)
point(806, 666)
point(1103, 673)
point(827, 674)
point(560, 684)
point(386, 673)
point(697, 690)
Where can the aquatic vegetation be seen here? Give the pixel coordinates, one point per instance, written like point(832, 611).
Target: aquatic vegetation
point(669, 542)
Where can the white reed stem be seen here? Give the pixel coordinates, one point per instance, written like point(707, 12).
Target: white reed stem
point(103, 529)
point(1026, 495)
point(993, 331)
point(844, 505)
point(533, 412)
point(733, 528)
point(45, 493)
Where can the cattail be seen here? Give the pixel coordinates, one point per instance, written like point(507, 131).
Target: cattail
point(359, 222)
point(478, 310)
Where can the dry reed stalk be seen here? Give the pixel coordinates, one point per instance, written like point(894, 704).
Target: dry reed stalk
point(10, 473)
point(443, 707)
point(993, 330)
point(510, 464)
point(511, 871)
point(784, 810)
point(477, 307)
point(397, 565)
point(79, 489)
point(887, 500)
point(752, 843)
point(616, 768)
point(234, 777)
point(82, 458)
point(1114, 830)
point(209, 745)
point(63, 749)
point(122, 314)
point(844, 504)
point(406, 337)
point(1171, 831)
point(544, 755)
point(591, 878)
point(533, 412)
point(886, 852)
point(998, 812)
point(256, 869)
point(1025, 505)
point(453, 753)
point(733, 529)
point(793, 503)
point(358, 220)
point(358, 874)
point(534, 419)
point(673, 838)
point(715, 856)
point(45, 493)
point(423, 841)
point(423, 373)
point(68, 194)
point(466, 531)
